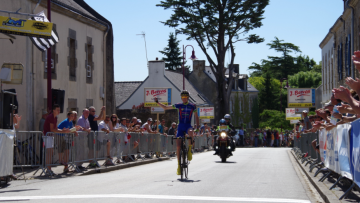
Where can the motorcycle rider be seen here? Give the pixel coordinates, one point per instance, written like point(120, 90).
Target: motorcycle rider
point(222, 123)
point(227, 118)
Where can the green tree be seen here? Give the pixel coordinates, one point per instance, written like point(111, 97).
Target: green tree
point(317, 68)
point(269, 94)
point(245, 114)
point(258, 83)
point(307, 79)
point(216, 26)
point(281, 66)
point(274, 119)
point(173, 55)
point(255, 113)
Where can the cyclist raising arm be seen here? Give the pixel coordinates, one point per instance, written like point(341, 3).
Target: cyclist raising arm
point(185, 110)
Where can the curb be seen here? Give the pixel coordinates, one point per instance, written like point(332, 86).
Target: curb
point(123, 166)
point(324, 192)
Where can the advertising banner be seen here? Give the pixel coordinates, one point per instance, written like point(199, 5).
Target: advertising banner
point(301, 97)
point(290, 114)
point(330, 149)
point(355, 156)
point(294, 121)
point(300, 110)
point(343, 150)
point(25, 27)
point(162, 94)
point(206, 112)
point(322, 144)
point(155, 110)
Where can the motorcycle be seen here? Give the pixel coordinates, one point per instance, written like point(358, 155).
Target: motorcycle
point(223, 143)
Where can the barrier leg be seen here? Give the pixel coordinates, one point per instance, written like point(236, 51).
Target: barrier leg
point(320, 170)
point(347, 191)
point(325, 176)
point(338, 180)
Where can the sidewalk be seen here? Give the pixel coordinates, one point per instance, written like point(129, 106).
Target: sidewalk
point(330, 196)
point(29, 172)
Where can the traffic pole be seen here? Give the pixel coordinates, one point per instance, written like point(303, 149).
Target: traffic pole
point(49, 96)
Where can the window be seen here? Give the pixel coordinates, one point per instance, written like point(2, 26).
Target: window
point(72, 60)
point(89, 64)
point(340, 61)
point(88, 71)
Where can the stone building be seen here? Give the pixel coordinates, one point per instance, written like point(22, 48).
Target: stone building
point(337, 48)
point(82, 60)
point(131, 94)
point(204, 80)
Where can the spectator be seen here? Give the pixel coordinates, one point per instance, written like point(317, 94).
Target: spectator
point(280, 138)
point(307, 123)
point(162, 127)
point(93, 118)
point(241, 134)
point(272, 138)
point(42, 120)
point(50, 126)
point(64, 142)
point(114, 126)
point(84, 124)
point(147, 126)
point(256, 138)
point(104, 126)
point(75, 118)
point(276, 138)
point(268, 138)
point(172, 129)
point(260, 138)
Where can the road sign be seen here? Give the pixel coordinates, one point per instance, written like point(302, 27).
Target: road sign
point(291, 115)
point(162, 94)
point(205, 120)
point(300, 110)
point(301, 97)
point(294, 121)
point(206, 112)
point(155, 110)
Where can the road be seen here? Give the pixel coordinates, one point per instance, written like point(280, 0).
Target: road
point(251, 175)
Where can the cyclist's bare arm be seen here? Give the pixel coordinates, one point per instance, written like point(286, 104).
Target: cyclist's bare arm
point(164, 106)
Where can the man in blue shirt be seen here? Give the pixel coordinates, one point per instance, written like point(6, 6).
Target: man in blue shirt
point(64, 142)
point(186, 111)
point(161, 127)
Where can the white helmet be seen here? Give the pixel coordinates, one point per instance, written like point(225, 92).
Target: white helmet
point(227, 116)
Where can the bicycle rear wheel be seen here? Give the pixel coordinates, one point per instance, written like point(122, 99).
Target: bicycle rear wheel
point(181, 164)
point(184, 163)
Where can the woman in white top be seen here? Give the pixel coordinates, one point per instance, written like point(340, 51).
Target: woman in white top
point(114, 125)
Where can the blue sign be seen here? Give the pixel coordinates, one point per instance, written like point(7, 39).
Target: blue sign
point(169, 96)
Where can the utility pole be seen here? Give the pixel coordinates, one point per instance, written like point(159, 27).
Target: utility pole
point(49, 96)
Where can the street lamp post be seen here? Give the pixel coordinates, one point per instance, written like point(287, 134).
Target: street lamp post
point(193, 57)
point(287, 86)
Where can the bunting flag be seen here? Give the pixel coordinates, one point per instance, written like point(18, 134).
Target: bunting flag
point(42, 43)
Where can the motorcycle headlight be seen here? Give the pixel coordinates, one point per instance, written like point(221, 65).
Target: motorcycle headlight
point(223, 135)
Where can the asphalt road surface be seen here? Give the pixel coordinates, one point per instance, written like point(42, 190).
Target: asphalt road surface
point(251, 175)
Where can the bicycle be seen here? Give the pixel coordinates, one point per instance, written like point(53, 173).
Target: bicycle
point(184, 163)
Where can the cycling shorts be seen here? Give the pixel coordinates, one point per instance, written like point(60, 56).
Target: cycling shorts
point(183, 127)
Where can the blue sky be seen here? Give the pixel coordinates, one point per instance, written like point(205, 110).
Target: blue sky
point(304, 23)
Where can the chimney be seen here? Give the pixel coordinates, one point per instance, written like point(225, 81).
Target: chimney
point(199, 66)
point(156, 68)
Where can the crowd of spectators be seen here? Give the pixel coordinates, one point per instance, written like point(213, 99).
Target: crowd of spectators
point(265, 138)
point(89, 121)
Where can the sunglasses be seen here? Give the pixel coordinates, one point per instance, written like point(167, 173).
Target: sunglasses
point(184, 97)
point(113, 117)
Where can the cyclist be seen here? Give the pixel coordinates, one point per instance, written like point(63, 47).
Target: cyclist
point(186, 111)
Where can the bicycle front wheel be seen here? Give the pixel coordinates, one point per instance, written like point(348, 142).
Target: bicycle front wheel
point(184, 163)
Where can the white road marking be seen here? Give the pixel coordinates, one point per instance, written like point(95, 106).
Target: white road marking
point(164, 197)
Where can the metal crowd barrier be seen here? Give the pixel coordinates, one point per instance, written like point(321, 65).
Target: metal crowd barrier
point(28, 148)
point(33, 149)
